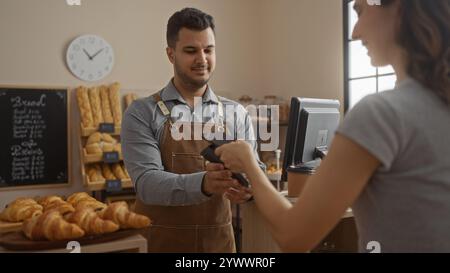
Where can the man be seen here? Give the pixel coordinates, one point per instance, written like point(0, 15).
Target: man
point(188, 202)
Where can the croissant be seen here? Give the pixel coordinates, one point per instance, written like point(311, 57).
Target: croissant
point(90, 222)
point(119, 213)
point(56, 202)
point(83, 200)
point(51, 226)
point(91, 204)
point(21, 209)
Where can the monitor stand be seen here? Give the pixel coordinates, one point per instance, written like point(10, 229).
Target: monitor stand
point(321, 152)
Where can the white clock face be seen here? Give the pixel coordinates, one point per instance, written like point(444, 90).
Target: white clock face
point(90, 58)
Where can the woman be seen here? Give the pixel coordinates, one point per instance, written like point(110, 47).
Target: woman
point(390, 159)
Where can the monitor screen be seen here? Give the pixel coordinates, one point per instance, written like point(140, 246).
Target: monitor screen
point(312, 125)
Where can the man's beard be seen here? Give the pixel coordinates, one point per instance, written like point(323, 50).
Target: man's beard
point(188, 81)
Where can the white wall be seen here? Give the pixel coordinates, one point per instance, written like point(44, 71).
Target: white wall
point(302, 48)
point(286, 47)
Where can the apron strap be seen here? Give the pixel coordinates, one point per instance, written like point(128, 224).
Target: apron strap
point(165, 110)
point(163, 107)
point(221, 115)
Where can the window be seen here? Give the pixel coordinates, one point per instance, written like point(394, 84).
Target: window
point(360, 77)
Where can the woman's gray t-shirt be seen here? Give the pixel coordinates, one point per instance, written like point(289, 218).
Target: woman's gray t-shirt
point(405, 206)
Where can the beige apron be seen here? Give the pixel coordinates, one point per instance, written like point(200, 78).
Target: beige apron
point(203, 228)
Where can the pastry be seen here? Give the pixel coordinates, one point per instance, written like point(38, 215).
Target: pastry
point(56, 202)
point(82, 199)
point(90, 222)
point(119, 213)
point(21, 209)
point(51, 226)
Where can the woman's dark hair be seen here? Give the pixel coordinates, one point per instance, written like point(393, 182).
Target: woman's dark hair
point(189, 18)
point(424, 33)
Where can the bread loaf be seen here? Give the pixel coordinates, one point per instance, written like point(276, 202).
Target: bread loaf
point(116, 108)
point(129, 98)
point(107, 172)
point(84, 105)
point(106, 106)
point(94, 97)
point(95, 173)
point(118, 171)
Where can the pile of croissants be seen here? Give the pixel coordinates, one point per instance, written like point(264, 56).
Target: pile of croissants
point(52, 218)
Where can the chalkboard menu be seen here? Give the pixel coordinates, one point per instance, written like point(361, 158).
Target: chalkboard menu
point(33, 137)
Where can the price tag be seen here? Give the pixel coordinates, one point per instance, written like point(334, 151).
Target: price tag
point(113, 186)
point(106, 128)
point(111, 157)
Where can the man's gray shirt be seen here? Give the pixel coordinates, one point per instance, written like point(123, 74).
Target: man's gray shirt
point(142, 130)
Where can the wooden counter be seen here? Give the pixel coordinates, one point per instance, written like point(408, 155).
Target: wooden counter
point(135, 243)
point(256, 237)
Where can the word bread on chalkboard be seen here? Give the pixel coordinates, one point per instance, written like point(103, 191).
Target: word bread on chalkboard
point(34, 138)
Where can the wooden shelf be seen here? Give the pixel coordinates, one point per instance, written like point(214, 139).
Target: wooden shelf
point(95, 158)
point(100, 185)
point(85, 132)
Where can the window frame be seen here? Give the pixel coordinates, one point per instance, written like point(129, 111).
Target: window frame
point(347, 43)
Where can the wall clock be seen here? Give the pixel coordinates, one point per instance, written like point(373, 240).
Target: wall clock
point(90, 58)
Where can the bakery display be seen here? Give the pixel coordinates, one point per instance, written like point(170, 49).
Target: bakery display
point(86, 216)
point(101, 152)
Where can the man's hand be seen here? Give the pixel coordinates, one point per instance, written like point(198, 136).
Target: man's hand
point(240, 195)
point(218, 181)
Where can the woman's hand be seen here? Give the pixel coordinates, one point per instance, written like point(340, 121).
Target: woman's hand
point(237, 156)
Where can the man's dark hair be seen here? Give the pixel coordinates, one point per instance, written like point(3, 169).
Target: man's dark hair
point(189, 18)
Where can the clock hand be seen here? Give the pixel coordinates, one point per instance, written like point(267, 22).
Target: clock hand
point(98, 52)
point(89, 56)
